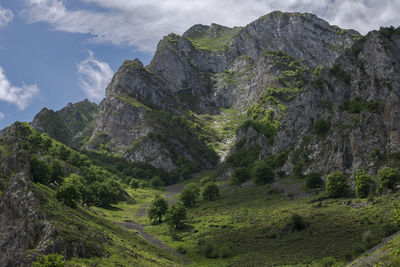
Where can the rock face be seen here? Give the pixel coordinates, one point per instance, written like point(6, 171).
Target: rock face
point(358, 99)
point(26, 230)
point(208, 68)
point(327, 95)
point(71, 125)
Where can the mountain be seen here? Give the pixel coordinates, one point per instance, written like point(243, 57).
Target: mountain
point(201, 72)
point(288, 91)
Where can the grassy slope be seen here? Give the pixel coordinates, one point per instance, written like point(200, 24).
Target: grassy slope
point(250, 222)
point(122, 247)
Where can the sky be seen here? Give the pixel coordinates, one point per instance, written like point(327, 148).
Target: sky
point(53, 52)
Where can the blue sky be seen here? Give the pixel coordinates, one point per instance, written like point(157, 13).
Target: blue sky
point(56, 51)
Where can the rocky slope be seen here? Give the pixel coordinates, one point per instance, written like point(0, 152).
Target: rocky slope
point(291, 74)
point(208, 68)
point(70, 125)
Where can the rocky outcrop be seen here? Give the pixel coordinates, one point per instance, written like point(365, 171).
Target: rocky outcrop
point(26, 229)
point(358, 98)
point(72, 125)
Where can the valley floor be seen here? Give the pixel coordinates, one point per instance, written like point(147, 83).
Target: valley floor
point(248, 226)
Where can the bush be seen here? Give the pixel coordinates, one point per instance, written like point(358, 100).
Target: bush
point(314, 180)
point(263, 173)
point(39, 170)
point(56, 172)
point(210, 192)
point(156, 182)
point(158, 207)
point(387, 179)
point(50, 260)
point(189, 195)
point(239, 176)
point(298, 169)
point(134, 184)
point(336, 184)
point(321, 126)
point(176, 215)
point(363, 184)
point(181, 250)
point(69, 194)
point(206, 179)
point(295, 223)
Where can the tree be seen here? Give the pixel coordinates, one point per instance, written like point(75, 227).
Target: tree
point(39, 170)
point(363, 184)
point(69, 194)
point(50, 260)
point(314, 180)
point(336, 184)
point(176, 215)
point(156, 182)
point(263, 174)
point(388, 178)
point(158, 207)
point(239, 176)
point(189, 195)
point(134, 183)
point(210, 192)
point(56, 172)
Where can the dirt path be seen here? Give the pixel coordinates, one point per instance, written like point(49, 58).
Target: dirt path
point(170, 192)
point(370, 260)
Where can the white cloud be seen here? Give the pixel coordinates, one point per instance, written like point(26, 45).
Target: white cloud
point(94, 76)
point(142, 23)
point(2, 116)
point(6, 15)
point(20, 96)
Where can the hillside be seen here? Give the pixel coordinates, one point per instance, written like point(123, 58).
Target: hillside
point(288, 100)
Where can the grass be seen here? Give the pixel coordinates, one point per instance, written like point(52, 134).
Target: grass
point(214, 44)
point(222, 128)
point(108, 243)
point(250, 222)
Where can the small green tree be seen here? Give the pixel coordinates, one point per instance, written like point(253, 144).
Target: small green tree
point(39, 170)
point(134, 183)
point(158, 207)
point(314, 180)
point(336, 184)
point(387, 179)
point(69, 194)
point(363, 184)
point(189, 195)
point(56, 172)
point(156, 182)
point(176, 215)
point(210, 192)
point(50, 260)
point(263, 173)
point(239, 176)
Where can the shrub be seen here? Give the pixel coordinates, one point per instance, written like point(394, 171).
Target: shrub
point(263, 173)
point(157, 208)
point(210, 192)
point(189, 195)
point(50, 260)
point(240, 175)
point(181, 249)
point(134, 184)
point(314, 180)
point(295, 223)
point(298, 169)
point(363, 184)
point(206, 179)
point(39, 170)
point(156, 182)
point(69, 194)
point(321, 126)
point(387, 179)
point(56, 172)
point(336, 184)
point(176, 215)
